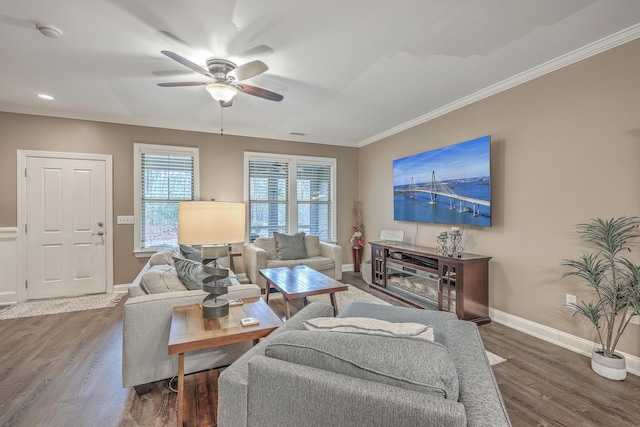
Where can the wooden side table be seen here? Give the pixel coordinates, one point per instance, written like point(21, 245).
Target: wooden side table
point(191, 332)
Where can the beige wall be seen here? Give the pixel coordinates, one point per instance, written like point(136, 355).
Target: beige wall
point(221, 168)
point(565, 148)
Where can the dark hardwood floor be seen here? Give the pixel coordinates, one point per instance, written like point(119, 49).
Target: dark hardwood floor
point(65, 370)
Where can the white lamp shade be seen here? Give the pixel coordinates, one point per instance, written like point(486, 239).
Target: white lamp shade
point(211, 223)
point(222, 91)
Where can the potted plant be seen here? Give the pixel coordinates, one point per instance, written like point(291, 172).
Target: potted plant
point(615, 281)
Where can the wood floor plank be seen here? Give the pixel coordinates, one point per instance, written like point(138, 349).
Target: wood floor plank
point(66, 370)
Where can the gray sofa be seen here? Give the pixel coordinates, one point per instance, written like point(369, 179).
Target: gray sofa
point(322, 256)
point(147, 320)
point(264, 387)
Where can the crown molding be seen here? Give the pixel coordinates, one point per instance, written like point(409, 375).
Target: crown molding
point(577, 55)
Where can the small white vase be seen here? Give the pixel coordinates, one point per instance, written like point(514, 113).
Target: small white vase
point(613, 368)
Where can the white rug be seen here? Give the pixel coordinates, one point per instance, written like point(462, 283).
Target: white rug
point(355, 294)
point(494, 359)
point(60, 305)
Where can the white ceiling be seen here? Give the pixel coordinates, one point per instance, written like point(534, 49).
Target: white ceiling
point(351, 72)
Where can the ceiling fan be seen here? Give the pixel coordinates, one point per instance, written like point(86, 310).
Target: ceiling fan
point(227, 78)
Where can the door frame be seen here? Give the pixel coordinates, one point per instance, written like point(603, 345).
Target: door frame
point(22, 156)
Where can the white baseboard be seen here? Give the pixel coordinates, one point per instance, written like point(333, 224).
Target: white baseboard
point(347, 267)
point(559, 338)
point(118, 289)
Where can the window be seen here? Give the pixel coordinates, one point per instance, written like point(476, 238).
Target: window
point(288, 194)
point(164, 176)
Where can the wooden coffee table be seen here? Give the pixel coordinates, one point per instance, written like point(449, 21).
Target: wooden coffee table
point(301, 282)
point(191, 332)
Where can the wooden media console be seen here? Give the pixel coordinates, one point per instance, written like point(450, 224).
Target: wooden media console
point(423, 278)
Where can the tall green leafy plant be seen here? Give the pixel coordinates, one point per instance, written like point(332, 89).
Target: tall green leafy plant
point(614, 279)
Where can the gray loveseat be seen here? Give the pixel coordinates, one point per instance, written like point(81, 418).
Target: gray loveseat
point(322, 256)
point(265, 388)
point(147, 320)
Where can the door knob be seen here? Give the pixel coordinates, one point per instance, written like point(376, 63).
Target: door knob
point(99, 233)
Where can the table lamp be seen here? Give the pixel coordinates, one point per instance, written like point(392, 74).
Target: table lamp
point(214, 226)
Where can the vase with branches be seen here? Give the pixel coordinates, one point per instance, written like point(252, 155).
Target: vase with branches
point(613, 278)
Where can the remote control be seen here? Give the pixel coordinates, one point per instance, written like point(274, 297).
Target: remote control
point(249, 321)
point(235, 302)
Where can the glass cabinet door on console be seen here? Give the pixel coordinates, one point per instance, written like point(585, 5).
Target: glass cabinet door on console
point(447, 289)
point(378, 268)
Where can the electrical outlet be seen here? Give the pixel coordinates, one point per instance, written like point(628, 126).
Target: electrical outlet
point(571, 299)
point(125, 219)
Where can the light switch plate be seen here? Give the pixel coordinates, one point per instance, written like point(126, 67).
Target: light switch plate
point(125, 219)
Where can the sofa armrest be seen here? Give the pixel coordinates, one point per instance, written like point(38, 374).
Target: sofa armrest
point(145, 335)
point(310, 396)
point(479, 391)
point(330, 250)
point(232, 383)
point(255, 260)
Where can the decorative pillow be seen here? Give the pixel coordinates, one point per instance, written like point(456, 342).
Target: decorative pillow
point(369, 326)
point(312, 244)
point(159, 279)
point(190, 272)
point(191, 252)
point(290, 247)
point(164, 256)
point(411, 364)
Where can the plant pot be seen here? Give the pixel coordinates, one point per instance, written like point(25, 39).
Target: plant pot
point(613, 368)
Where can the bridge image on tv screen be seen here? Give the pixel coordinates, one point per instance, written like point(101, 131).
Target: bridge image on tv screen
point(448, 185)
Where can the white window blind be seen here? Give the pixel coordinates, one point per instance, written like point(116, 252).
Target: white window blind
point(289, 194)
point(268, 198)
point(314, 199)
point(166, 176)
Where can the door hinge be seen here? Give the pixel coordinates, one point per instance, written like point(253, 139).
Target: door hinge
point(26, 284)
point(25, 229)
point(25, 172)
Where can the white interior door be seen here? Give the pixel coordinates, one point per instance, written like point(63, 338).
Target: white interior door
point(65, 227)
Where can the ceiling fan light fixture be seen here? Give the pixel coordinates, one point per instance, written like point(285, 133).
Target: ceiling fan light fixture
point(221, 91)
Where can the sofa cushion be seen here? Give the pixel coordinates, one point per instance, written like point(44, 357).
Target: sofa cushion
point(190, 272)
point(161, 278)
point(418, 365)
point(320, 263)
point(268, 244)
point(290, 247)
point(369, 326)
point(312, 243)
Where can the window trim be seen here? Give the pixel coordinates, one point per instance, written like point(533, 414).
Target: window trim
point(292, 161)
point(138, 149)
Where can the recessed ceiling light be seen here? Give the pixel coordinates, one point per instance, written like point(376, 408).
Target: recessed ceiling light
point(44, 96)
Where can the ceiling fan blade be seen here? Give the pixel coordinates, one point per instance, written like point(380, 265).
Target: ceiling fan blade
point(259, 92)
point(248, 70)
point(187, 63)
point(177, 84)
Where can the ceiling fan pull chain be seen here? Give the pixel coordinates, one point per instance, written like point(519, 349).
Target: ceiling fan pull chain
point(221, 127)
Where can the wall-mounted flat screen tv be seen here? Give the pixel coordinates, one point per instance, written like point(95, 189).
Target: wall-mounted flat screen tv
point(448, 185)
